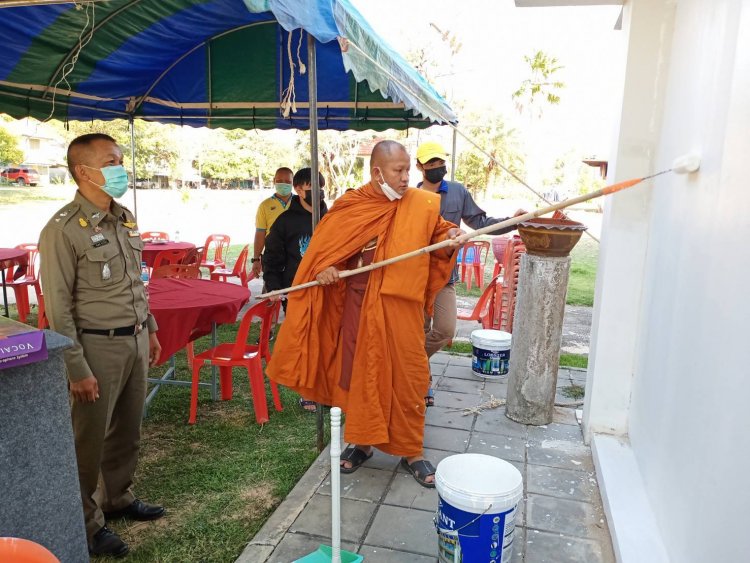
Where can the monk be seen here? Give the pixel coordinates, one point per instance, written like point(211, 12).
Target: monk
point(358, 342)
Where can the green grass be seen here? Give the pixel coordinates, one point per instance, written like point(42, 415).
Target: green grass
point(219, 479)
point(574, 361)
point(583, 272)
point(585, 257)
point(459, 347)
point(13, 196)
point(575, 392)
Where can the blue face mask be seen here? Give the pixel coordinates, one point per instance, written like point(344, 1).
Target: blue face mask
point(115, 180)
point(283, 189)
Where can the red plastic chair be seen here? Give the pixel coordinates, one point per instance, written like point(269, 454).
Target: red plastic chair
point(473, 262)
point(239, 271)
point(175, 256)
point(20, 278)
point(219, 243)
point(155, 235)
point(484, 310)
point(242, 354)
point(42, 321)
point(18, 550)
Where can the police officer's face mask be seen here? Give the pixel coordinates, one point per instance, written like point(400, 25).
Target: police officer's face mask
point(115, 180)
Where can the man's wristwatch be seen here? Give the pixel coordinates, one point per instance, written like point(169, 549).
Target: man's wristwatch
point(253, 260)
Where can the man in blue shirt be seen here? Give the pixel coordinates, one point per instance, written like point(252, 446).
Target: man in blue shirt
point(456, 204)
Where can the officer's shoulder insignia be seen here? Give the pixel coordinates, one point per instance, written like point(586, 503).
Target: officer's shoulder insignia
point(65, 214)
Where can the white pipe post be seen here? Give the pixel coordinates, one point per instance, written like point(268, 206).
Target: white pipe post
point(335, 485)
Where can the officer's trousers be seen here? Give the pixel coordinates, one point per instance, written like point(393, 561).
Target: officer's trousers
point(108, 431)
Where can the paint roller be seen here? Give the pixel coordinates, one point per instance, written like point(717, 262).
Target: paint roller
point(684, 164)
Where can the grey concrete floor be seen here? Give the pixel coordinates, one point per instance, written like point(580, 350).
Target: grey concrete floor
point(388, 517)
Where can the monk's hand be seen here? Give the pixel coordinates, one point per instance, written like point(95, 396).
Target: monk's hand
point(328, 276)
point(154, 349)
point(86, 390)
point(453, 235)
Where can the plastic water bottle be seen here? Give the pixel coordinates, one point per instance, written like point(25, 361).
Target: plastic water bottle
point(144, 273)
point(177, 235)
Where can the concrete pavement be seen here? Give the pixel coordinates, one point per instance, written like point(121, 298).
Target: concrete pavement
point(388, 517)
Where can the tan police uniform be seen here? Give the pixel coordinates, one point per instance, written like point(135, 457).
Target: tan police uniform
point(91, 279)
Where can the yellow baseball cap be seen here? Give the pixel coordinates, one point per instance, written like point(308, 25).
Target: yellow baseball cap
point(429, 150)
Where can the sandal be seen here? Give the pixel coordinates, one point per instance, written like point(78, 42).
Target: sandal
point(429, 399)
point(305, 405)
point(356, 457)
point(420, 470)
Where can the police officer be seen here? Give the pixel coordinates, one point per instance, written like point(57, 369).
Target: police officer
point(91, 275)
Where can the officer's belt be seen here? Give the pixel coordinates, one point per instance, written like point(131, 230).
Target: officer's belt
point(122, 331)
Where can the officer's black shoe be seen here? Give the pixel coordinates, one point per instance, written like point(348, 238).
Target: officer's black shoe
point(138, 510)
point(106, 542)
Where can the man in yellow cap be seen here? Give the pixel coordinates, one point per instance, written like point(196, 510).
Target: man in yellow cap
point(456, 204)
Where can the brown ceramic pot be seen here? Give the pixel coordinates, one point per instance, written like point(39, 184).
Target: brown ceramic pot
point(550, 237)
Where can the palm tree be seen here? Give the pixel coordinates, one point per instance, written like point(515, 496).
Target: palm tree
point(541, 84)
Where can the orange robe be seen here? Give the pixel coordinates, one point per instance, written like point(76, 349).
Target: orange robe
point(384, 405)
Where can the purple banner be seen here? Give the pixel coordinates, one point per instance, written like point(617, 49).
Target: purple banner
point(22, 348)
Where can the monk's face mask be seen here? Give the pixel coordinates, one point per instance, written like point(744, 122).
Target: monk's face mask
point(389, 192)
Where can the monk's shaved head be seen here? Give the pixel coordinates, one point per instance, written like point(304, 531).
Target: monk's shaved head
point(384, 151)
point(82, 150)
point(389, 165)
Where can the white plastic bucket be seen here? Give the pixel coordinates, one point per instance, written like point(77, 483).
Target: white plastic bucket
point(490, 353)
point(477, 500)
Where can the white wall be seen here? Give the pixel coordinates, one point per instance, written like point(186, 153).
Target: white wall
point(626, 222)
point(690, 388)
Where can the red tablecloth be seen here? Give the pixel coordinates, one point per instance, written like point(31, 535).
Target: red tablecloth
point(150, 250)
point(186, 309)
point(10, 256)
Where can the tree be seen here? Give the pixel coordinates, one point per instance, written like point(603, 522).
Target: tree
point(339, 162)
point(10, 152)
point(540, 85)
point(156, 146)
point(474, 169)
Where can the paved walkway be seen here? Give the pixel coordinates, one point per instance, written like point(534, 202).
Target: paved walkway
point(388, 517)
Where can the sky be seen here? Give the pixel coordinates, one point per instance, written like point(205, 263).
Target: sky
point(489, 67)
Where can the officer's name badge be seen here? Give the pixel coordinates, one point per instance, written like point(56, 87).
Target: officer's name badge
point(129, 225)
point(134, 234)
point(99, 240)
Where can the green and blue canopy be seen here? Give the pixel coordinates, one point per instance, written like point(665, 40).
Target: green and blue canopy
point(208, 63)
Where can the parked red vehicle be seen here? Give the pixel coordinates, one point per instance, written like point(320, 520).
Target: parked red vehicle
point(21, 176)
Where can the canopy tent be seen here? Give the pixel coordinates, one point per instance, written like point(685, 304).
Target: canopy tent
point(212, 63)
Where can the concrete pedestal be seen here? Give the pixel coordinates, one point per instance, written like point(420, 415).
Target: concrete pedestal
point(537, 335)
point(40, 499)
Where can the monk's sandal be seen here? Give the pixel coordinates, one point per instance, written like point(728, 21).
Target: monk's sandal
point(420, 470)
point(356, 457)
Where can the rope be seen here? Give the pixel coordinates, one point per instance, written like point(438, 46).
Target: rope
point(439, 113)
point(70, 66)
point(288, 97)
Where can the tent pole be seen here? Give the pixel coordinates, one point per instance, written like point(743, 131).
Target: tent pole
point(453, 157)
point(312, 86)
point(132, 160)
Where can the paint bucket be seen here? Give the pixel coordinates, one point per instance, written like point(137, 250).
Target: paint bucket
point(477, 500)
point(490, 354)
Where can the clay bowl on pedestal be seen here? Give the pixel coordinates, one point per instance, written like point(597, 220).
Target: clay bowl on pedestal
point(550, 237)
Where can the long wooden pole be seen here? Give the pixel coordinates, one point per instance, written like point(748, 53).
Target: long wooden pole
point(472, 234)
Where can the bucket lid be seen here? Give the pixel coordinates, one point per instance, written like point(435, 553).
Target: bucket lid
point(488, 337)
point(474, 481)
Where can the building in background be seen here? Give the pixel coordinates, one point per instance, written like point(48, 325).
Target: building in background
point(44, 150)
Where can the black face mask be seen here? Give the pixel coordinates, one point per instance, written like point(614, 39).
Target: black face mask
point(435, 175)
point(308, 197)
